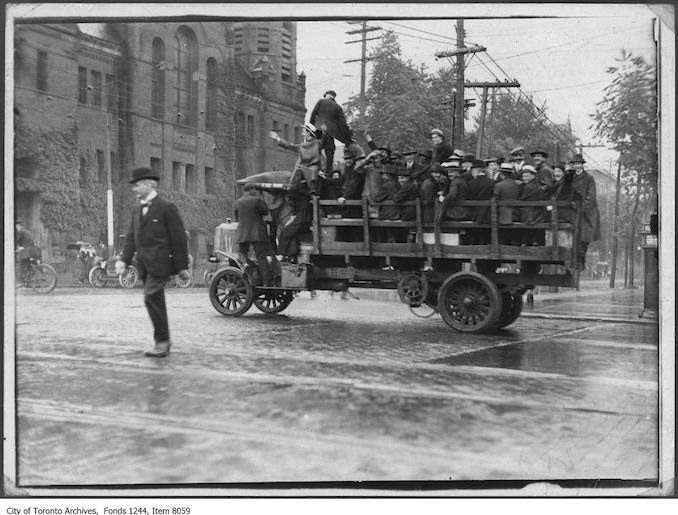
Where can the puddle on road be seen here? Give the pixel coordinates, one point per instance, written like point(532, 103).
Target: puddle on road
point(568, 358)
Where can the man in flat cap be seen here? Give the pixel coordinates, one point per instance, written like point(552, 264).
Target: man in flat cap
point(544, 172)
point(441, 149)
point(158, 236)
point(329, 114)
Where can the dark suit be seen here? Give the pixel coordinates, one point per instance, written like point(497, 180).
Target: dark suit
point(387, 192)
point(328, 112)
point(249, 212)
point(407, 193)
point(159, 239)
point(456, 191)
point(532, 215)
point(441, 153)
point(507, 189)
point(585, 185)
point(427, 191)
point(480, 188)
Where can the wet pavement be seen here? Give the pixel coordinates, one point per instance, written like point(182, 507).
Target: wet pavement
point(331, 390)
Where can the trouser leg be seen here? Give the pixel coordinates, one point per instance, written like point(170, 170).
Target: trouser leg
point(260, 248)
point(154, 299)
point(329, 155)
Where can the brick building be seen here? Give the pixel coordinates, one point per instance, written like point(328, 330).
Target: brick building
point(193, 101)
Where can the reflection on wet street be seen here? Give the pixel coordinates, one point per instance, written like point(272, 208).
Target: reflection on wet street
point(330, 390)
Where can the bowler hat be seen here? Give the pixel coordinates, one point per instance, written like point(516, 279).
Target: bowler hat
point(577, 158)
point(560, 165)
point(469, 158)
point(143, 173)
point(409, 151)
point(540, 151)
point(428, 154)
point(478, 163)
point(438, 132)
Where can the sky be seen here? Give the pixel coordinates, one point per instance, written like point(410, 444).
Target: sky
point(560, 57)
point(561, 61)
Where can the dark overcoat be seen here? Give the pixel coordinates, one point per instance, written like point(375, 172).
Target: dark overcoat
point(387, 192)
point(428, 191)
point(532, 214)
point(441, 153)
point(328, 112)
point(586, 187)
point(407, 193)
point(564, 190)
point(158, 238)
point(480, 188)
point(507, 189)
point(544, 176)
point(457, 190)
point(249, 212)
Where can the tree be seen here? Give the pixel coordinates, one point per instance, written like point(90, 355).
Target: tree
point(627, 118)
point(401, 100)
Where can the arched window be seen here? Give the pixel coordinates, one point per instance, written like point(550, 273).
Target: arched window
point(211, 98)
point(187, 65)
point(158, 79)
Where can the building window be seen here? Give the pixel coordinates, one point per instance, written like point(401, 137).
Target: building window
point(111, 92)
point(158, 79)
point(41, 83)
point(176, 176)
point(191, 180)
point(187, 65)
point(210, 181)
point(263, 40)
point(211, 96)
point(240, 129)
point(101, 166)
point(82, 85)
point(297, 134)
point(250, 130)
point(285, 73)
point(286, 132)
point(96, 88)
point(156, 167)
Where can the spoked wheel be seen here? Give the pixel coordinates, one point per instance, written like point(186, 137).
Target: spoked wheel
point(511, 307)
point(97, 277)
point(129, 278)
point(231, 292)
point(273, 301)
point(183, 283)
point(207, 276)
point(44, 279)
point(469, 302)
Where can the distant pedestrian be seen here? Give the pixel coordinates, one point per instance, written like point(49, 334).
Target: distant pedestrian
point(586, 187)
point(158, 236)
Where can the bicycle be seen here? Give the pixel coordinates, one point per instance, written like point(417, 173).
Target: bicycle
point(40, 277)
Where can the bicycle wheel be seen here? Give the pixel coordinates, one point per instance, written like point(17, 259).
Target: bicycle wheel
point(44, 279)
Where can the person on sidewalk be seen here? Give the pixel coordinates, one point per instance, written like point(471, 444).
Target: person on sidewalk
point(250, 210)
point(585, 185)
point(158, 236)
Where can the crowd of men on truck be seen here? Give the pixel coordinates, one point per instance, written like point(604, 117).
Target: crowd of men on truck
point(437, 175)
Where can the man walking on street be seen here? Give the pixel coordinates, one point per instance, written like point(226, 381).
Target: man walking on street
point(158, 236)
point(585, 185)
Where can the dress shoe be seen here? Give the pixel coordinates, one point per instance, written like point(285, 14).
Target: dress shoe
point(159, 350)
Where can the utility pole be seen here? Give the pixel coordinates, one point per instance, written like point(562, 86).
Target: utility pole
point(459, 104)
point(363, 59)
point(483, 109)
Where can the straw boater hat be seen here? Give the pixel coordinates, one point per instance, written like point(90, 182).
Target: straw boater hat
point(529, 169)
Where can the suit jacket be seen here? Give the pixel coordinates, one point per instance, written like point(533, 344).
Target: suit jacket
point(330, 113)
point(158, 238)
point(586, 187)
point(388, 191)
point(480, 188)
point(407, 193)
point(441, 153)
point(427, 191)
point(532, 214)
point(249, 212)
point(508, 189)
point(457, 191)
point(545, 177)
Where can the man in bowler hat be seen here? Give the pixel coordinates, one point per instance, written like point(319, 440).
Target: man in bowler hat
point(158, 236)
point(330, 114)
